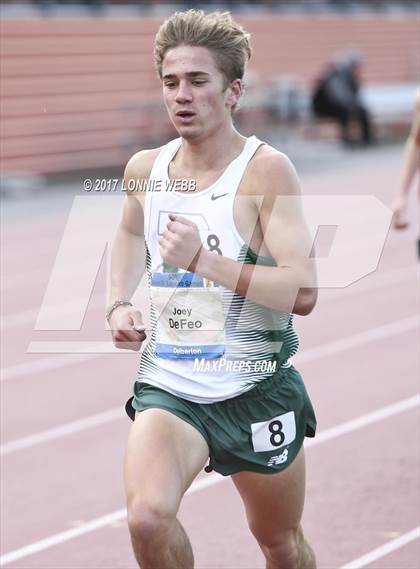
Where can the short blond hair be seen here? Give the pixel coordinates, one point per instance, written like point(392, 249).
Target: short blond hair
point(217, 31)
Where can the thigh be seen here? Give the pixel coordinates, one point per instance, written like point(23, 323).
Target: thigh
point(164, 455)
point(273, 502)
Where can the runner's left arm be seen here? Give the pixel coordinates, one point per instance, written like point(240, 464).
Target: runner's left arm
point(290, 286)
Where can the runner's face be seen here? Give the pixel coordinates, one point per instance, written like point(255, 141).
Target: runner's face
point(193, 91)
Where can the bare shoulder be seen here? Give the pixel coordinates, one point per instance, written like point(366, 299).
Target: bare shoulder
point(271, 173)
point(136, 172)
point(138, 168)
point(140, 164)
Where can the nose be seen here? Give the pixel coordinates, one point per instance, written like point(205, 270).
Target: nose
point(183, 94)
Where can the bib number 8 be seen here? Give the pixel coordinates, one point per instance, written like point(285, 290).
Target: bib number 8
point(277, 436)
point(274, 433)
point(213, 243)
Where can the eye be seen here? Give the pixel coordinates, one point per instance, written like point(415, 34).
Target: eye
point(170, 85)
point(198, 82)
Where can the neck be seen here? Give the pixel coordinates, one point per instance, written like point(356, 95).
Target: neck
point(212, 152)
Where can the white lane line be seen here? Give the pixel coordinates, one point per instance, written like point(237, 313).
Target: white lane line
point(118, 413)
point(359, 339)
point(372, 281)
point(87, 422)
point(355, 340)
point(383, 550)
point(364, 420)
point(62, 431)
point(93, 525)
point(73, 347)
point(103, 521)
point(328, 349)
point(34, 277)
point(44, 364)
point(63, 309)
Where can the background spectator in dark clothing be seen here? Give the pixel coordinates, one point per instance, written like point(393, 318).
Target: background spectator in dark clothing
point(336, 96)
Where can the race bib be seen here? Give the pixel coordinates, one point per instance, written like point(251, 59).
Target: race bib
point(190, 316)
point(275, 433)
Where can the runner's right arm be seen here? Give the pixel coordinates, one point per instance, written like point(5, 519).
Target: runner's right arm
point(128, 258)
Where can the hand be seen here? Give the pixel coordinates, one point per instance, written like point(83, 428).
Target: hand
point(180, 244)
point(127, 328)
point(399, 206)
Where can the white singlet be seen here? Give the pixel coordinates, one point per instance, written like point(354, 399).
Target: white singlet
point(252, 340)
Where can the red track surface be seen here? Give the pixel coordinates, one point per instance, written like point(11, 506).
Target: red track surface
point(362, 489)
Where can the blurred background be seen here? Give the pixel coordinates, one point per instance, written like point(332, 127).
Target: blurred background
point(79, 96)
point(79, 92)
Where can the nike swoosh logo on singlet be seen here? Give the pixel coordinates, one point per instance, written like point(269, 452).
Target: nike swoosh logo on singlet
point(213, 197)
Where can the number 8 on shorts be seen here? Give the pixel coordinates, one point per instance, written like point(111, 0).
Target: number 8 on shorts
point(274, 433)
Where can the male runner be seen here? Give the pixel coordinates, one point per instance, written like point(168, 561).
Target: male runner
point(409, 171)
point(228, 261)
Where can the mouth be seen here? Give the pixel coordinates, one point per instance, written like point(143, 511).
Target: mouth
point(185, 115)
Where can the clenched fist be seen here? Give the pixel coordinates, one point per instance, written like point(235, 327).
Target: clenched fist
point(180, 244)
point(127, 328)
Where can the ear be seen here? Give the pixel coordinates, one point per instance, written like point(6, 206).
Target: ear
point(234, 91)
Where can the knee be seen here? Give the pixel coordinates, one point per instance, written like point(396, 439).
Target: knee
point(148, 520)
point(281, 549)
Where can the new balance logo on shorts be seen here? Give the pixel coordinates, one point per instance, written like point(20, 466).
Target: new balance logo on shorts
point(279, 459)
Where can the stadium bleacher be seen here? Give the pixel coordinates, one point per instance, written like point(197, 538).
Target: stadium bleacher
point(81, 93)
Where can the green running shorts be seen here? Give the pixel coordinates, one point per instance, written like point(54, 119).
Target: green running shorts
point(261, 430)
